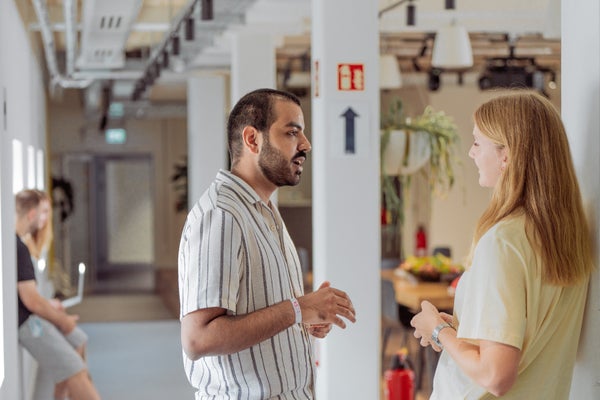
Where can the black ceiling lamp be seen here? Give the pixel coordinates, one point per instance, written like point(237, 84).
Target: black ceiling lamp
point(156, 67)
point(189, 28)
point(175, 47)
point(450, 5)
point(206, 13)
point(165, 59)
point(411, 13)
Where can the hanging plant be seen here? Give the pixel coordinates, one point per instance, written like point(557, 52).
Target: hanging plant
point(180, 185)
point(437, 138)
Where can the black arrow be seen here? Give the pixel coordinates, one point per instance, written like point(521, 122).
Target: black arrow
point(349, 115)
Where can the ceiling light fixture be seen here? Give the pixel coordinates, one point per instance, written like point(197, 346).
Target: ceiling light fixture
point(206, 10)
point(452, 48)
point(165, 59)
point(389, 72)
point(175, 45)
point(160, 57)
point(189, 28)
point(411, 14)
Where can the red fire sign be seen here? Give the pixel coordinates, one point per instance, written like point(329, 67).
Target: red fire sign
point(351, 77)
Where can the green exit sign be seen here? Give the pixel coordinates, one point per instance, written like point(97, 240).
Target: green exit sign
point(116, 136)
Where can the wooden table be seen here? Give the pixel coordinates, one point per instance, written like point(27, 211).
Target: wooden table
point(411, 294)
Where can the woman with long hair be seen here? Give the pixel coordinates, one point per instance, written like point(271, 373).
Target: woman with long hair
point(519, 306)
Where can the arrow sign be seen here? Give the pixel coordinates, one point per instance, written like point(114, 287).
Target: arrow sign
point(349, 115)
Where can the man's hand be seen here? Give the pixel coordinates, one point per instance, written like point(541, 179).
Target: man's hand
point(326, 306)
point(68, 323)
point(56, 303)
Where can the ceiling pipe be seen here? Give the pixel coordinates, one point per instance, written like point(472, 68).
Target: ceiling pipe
point(70, 12)
point(56, 79)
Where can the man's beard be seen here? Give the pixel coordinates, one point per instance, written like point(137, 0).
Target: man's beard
point(276, 168)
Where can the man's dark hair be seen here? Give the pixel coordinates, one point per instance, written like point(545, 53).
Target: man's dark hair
point(254, 109)
point(26, 200)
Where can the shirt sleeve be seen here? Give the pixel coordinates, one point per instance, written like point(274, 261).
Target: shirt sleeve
point(25, 271)
point(210, 262)
point(494, 300)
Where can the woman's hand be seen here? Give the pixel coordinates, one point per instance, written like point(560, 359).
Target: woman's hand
point(319, 330)
point(426, 321)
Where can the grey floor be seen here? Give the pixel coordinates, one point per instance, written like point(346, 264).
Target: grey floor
point(134, 350)
point(137, 360)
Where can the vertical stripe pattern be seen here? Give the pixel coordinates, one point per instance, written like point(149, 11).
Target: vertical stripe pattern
point(235, 253)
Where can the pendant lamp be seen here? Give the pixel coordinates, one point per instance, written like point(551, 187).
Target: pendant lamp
point(389, 72)
point(452, 48)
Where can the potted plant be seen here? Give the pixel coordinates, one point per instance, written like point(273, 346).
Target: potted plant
point(423, 144)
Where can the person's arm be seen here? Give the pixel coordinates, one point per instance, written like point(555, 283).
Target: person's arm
point(42, 307)
point(492, 365)
point(210, 331)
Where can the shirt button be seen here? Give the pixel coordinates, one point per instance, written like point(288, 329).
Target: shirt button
point(273, 228)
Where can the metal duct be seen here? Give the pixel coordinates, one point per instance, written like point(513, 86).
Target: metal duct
point(70, 13)
point(55, 76)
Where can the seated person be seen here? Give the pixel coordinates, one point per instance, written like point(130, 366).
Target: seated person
point(46, 331)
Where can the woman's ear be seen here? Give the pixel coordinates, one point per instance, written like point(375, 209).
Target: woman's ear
point(250, 137)
point(504, 159)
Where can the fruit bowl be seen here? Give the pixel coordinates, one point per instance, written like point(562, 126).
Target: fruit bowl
point(434, 268)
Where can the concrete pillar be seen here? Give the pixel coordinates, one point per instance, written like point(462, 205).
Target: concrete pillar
point(207, 136)
point(346, 232)
point(10, 362)
point(252, 63)
point(580, 102)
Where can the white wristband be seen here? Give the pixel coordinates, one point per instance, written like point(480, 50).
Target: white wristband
point(297, 310)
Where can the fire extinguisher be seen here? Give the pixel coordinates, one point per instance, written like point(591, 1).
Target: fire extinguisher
point(420, 242)
point(400, 378)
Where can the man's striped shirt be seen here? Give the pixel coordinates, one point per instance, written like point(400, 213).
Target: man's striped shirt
point(235, 253)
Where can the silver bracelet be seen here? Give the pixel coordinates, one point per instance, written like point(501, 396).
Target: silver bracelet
point(436, 333)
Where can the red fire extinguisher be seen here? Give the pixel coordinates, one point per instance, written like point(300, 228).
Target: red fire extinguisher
point(420, 242)
point(400, 378)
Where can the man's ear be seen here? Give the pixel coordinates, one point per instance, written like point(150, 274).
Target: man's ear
point(250, 137)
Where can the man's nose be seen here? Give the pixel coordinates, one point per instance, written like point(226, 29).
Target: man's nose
point(305, 144)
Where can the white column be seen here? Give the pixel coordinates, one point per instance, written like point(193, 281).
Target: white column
point(11, 364)
point(580, 83)
point(252, 63)
point(346, 235)
point(207, 136)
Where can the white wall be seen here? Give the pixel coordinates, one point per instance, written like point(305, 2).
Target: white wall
point(581, 115)
point(21, 86)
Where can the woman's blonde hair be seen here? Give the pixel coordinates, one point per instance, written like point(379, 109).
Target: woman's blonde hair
point(539, 182)
point(40, 240)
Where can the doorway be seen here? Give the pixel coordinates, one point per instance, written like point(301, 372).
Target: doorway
point(106, 220)
point(124, 223)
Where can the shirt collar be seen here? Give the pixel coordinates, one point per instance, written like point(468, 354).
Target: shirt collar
point(239, 185)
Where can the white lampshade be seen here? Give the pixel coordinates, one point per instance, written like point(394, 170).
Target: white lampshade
point(452, 48)
point(298, 79)
point(389, 72)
